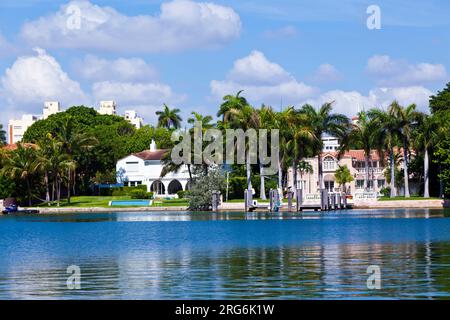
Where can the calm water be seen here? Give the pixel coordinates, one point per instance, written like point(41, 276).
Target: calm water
point(227, 255)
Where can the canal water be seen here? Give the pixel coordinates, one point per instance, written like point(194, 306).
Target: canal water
point(178, 255)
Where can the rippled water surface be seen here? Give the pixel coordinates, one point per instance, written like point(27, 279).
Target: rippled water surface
point(177, 255)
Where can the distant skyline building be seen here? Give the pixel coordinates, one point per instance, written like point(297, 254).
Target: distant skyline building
point(51, 107)
point(108, 108)
point(133, 117)
point(18, 127)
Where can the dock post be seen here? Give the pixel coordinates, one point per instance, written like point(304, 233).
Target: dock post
point(338, 196)
point(271, 199)
point(344, 201)
point(324, 199)
point(333, 201)
point(215, 200)
point(299, 199)
point(290, 195)
point(247, 199)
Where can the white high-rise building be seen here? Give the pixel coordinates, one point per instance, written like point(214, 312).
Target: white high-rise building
point(17, 128)
point(107, 107)
point(51, 107)
point(134, 119)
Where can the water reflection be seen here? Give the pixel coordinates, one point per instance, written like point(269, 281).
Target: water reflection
point(284, 257)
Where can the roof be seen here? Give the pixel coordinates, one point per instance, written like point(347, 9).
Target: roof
point(150, 155)
point(358, 155)
point(12, 147)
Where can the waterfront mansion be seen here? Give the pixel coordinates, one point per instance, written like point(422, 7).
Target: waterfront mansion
point(144, 168)
point(355, 162)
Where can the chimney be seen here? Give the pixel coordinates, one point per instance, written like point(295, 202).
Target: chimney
point(153, 146)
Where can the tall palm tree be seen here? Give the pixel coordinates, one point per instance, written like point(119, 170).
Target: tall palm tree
point(169, 118)
point(407, 119)
point(245, 117)
point(204, 120)
point(323, 121)
point(300, 140)
point(387, 136)
point(21, 164)
point(363, 133)
point(2, 135)
point(282, 121)
point(426, 136)
point(230, 102)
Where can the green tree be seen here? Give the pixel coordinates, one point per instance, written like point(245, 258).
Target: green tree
point(169, 118)
point(343, 176)
point(231, 103)
point(200, 193)
point(2, 135)
point(441, 101)
point(21, 164)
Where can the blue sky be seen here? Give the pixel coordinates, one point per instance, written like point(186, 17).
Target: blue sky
point(144, 53)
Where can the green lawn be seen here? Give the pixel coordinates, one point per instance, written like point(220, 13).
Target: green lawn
point(103, 202)
point(403, 198)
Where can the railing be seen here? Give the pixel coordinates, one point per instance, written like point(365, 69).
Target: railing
point(374, 170)
point(369, 195)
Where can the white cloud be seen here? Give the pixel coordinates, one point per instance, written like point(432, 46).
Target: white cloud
point(122, 69)
point(181, 24)
point(326, 73)
point(389, 72)
point(263, 82)
point(351, 102)
point(31, 80)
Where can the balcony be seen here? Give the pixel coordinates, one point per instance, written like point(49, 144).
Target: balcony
point(374, 170)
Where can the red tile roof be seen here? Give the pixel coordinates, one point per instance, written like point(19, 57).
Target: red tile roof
point(12, 147)
point(358, 155)
point(150, 155)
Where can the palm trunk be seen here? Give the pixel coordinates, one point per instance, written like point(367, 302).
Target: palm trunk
point(74, 182)
point(366, 163)
point(249, 172)
point(321, 184)
point(68, 187)
point(190, 173)
point(29, 191)
point(47, 189)
point(391, 159)
point(58, 191)
point(405, 168)
point(280, 173)
point(294, 173)
point(426, 193)
point(262, 193)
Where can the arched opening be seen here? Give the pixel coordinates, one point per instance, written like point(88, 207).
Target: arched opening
point(158, 188)
point(329, 163)
point(175, 186)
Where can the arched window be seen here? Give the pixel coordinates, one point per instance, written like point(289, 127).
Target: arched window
point(174, 187)
point(158, 188)
point(329, 163)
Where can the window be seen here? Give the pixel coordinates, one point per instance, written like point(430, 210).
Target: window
point(381, 183)
point(359, 184)
point(329, 163)
point(132, 166)
point(329, 185)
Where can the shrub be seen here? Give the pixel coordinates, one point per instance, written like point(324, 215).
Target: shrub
point(181, 194)
point(200, 194)
point(139, 194)
point(386, 192)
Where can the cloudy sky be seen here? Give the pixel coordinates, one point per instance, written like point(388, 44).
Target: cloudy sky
point(189, 54)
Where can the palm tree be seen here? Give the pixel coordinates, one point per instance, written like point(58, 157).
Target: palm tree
point(304, 167)
point(72, 143)
point(343, 176)
point(169, 118)
point(230, 103)
point(21, 164)
point(2, 135)
point(282, 118)
point(363, 133)
point(408, 119)
point(426, 136)
point(204, 120)
point(386, 137)
point(323, 121)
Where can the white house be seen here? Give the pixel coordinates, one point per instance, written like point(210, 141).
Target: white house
point(145, 168)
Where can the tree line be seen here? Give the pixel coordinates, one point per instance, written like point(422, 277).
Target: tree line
point(70, 151)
